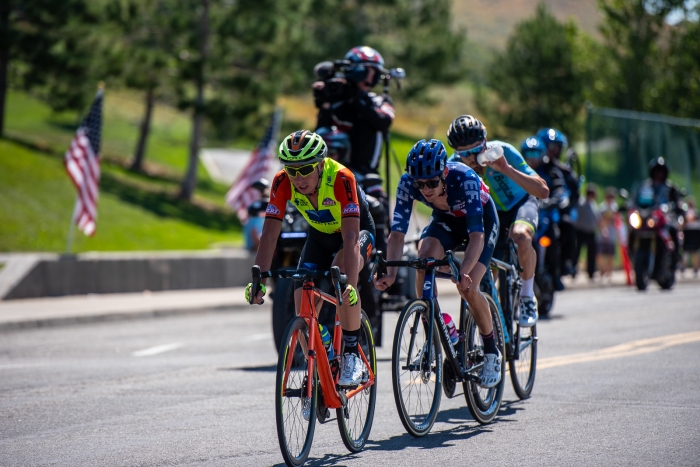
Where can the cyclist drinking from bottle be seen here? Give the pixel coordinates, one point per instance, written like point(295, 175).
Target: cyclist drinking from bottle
point(514, 188)
point(463, 212)
point(341, 231)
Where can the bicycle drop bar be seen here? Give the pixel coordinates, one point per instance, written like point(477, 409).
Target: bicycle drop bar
point(339, 280)
point(380, 265)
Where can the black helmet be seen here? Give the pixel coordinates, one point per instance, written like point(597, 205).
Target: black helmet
point(658, 163)
point(465, 130)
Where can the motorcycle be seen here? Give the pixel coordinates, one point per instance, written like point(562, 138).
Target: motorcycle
point(546, 242)
point(651, 241)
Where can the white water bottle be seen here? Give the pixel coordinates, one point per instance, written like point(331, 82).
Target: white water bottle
point(451, 328)
point(491, 155)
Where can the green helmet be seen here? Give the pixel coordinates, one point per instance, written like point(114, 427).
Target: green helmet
point(302, 146)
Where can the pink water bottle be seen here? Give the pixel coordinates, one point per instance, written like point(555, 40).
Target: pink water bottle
point(451, 328)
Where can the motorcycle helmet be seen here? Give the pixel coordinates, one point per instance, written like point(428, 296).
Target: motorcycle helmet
point(261, 185)
point(302, 147)
point(658, 164)
point(338, 142)
point(361, 59)
point(465, 130)
point(426, 159)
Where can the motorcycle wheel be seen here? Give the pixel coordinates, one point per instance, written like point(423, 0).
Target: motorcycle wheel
point(667, 274)
point(282, 309)
point(641, 269)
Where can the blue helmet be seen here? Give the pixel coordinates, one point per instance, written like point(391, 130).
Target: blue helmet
point(533, 148)
point(426, 159)
point(552, 135)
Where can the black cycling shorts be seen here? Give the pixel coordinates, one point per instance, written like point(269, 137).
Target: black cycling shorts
point(451, 231)
point(320, 248)
point(525, 212)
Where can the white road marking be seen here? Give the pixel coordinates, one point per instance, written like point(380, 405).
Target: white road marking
point(18, 365)
point(157, 349)
point(259, 337)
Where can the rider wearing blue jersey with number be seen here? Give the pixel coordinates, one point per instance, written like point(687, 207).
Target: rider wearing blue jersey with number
point(514, 188)
point(463, 212)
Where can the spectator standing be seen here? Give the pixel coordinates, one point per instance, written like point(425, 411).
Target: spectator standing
point(608, 232)
point(256, 215)
point(586, 225)
point(691, 240)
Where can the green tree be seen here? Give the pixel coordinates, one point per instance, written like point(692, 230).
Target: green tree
point(633, 30)
point(536, 78)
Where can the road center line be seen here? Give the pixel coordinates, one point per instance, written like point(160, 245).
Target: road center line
point(627, 349)
point(157, 349)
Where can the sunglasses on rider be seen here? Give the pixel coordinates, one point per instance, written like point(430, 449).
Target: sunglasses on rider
point(304, 170)
point(472, 151)
point(420, 184)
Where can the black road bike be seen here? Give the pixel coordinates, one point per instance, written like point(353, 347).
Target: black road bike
point(418, 370)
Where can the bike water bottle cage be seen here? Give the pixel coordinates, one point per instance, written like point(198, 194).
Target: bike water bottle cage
point(426, 159)
point(304, 170)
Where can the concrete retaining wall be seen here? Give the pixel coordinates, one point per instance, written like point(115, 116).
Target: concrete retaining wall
point(55, 275)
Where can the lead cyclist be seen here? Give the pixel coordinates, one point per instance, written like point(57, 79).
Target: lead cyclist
point(341, 231)
point(514, 188)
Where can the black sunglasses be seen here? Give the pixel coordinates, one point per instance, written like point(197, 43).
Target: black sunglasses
point(420, 184)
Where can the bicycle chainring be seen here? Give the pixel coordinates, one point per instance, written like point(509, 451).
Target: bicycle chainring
point(449, 381)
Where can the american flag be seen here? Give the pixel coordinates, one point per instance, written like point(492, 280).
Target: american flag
point(242, 193)
point(82, 163)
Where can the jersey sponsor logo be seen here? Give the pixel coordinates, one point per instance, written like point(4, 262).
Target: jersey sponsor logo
point(272, 209)
point(276, 183)
point(402, 194)
point(471, 188)
point(324, 216)
point(300, 202)
point(348, 188)
point(328, 202)
point(351, 208)
point(492, 238)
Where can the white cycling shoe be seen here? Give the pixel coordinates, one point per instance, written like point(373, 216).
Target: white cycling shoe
point(352, 371)
point(491, 371)
point(528, 312)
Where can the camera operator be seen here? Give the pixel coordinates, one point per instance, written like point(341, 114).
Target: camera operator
point(347, 103)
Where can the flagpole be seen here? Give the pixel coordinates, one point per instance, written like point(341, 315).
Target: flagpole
point(69, 241)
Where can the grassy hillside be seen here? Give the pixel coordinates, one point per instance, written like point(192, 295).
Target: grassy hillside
point(136, 211)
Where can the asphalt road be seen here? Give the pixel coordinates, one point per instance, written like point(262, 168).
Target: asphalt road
point(618, 383)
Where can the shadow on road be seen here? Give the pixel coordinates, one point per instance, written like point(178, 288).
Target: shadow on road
point(257, 369)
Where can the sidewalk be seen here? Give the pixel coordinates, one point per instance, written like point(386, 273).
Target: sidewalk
point(41, 312)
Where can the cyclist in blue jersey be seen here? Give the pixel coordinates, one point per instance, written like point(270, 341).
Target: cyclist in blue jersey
point(463, 212)
point(514, 188)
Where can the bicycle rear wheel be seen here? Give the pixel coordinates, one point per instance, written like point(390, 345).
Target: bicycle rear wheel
point(483, 403)
point(522, 371)
point(355, 420)
point(294, 432)
point(415, 376)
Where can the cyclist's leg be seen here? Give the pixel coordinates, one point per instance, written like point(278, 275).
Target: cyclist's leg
point(438, 236)
point(521, 232)
point(317, 254)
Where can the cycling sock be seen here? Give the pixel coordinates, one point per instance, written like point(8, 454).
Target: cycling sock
point(350, 339)
point(489, 343)
point(527, 291)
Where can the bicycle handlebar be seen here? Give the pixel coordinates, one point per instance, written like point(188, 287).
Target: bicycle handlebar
point(301, 274)
point(380, 264)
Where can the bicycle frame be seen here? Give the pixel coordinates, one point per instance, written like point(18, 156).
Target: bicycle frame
point(317, 352)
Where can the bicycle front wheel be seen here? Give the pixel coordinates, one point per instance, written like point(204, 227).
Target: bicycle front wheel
point(295, 412)
point(522, 370)
point(483, 402)
point(416, 371)
point(355, 419)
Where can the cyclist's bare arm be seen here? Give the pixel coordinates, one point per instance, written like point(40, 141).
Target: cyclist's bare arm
point(533, 184)
point(471, 255)
point(268, 242)
point(394, 250)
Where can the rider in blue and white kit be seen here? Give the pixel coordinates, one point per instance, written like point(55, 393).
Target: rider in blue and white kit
point(514, 188)
point(463, 212)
